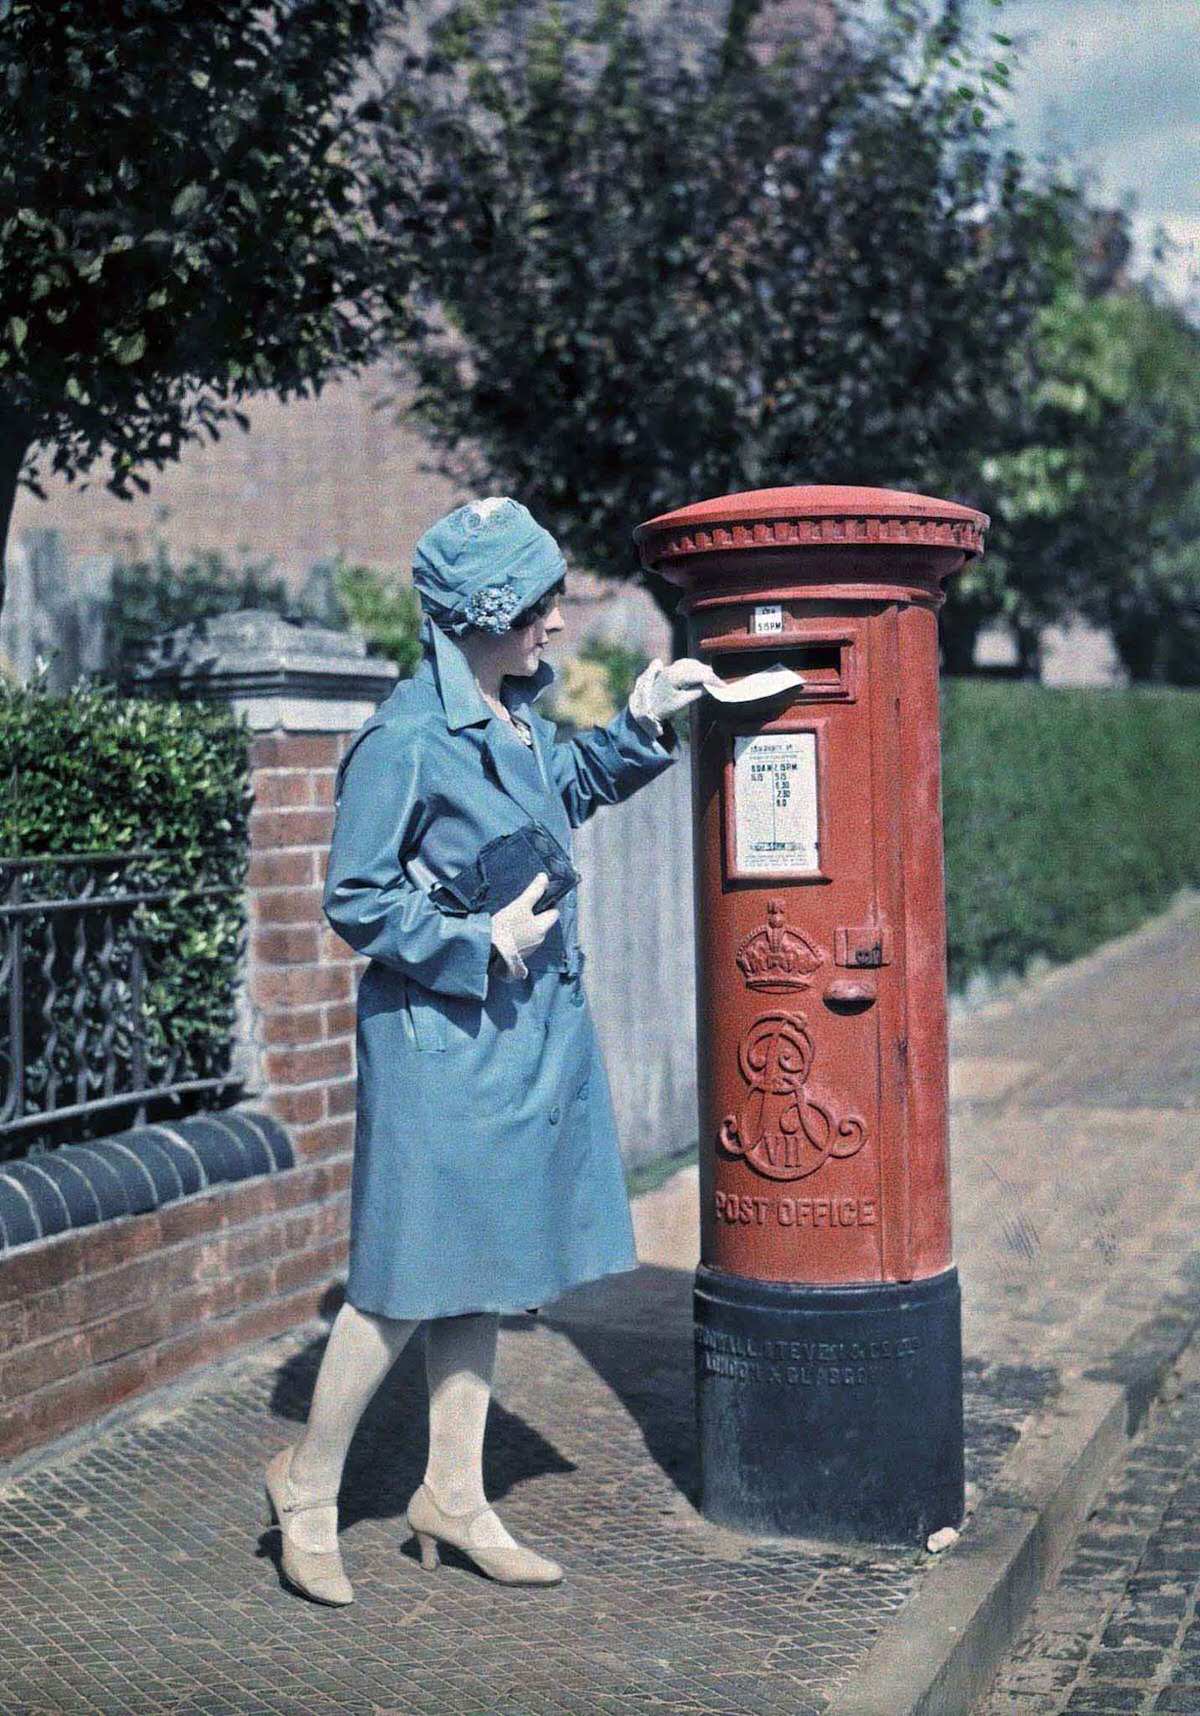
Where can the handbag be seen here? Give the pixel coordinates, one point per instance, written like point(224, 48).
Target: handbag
point(504, 868)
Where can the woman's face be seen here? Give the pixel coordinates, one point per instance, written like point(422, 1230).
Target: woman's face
point(526, 645)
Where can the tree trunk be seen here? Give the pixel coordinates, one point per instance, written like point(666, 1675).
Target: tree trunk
point(15, 440)
point(1139, 645)
point(1029, 651)
point(959, 628)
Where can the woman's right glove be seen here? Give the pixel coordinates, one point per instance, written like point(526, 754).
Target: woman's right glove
point(517, 929)
point(661, 691)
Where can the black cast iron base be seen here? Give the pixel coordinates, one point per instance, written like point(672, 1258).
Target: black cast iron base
point(830, 1411)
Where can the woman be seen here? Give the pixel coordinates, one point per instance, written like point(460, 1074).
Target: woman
point(486, 1175)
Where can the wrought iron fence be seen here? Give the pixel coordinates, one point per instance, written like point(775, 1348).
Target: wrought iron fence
point(78, 1042)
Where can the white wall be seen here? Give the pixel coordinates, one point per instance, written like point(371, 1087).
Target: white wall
point(637, 932)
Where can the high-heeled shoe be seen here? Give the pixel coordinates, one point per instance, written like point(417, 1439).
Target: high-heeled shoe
point(429, 1522)
point(318, 1573)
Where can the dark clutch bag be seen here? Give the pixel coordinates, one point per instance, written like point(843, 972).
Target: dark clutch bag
point(504, 868)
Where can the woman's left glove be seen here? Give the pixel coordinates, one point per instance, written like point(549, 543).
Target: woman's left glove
point(661, 691)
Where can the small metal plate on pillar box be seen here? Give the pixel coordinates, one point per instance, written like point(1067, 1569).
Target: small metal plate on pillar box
point(863, 945)
point(775, 803)
point(766, 619)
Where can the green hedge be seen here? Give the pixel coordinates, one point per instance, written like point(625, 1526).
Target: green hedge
point(1070, 815)
point(96, 772)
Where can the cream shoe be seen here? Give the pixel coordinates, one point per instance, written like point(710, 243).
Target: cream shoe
point(516, 1566)
point(318, 1573)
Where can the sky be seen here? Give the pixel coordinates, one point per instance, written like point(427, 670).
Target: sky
point(1117, 83)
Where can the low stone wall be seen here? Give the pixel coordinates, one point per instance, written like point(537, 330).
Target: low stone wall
point(93, 1316)
point(131, 1172)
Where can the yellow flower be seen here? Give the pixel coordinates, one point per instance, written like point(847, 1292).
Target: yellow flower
point(583, 695)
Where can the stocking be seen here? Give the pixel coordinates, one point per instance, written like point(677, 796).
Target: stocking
point(360, 1351)
point(460, 1356)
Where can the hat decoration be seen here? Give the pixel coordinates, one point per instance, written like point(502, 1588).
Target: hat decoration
point(492, 609)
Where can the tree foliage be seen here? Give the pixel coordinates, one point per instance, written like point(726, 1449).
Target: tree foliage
point(151, 594)
point(1100, 503)
point(189, 213)
point(383, 609)
point(660, 266)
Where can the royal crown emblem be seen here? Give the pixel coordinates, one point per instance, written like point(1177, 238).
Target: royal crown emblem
point(777, 958)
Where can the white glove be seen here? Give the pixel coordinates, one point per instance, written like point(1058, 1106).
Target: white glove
point(661, 691)
point(517, 929)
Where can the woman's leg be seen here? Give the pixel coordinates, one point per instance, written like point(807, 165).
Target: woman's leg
point(360, 1351)
point(460, 1357)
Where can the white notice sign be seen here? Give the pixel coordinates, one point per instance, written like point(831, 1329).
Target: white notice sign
point(766, 619)
point(775, 803)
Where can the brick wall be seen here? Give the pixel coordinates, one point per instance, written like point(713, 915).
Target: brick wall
point(310, 479)
point(94, 1317)
point(302, 977)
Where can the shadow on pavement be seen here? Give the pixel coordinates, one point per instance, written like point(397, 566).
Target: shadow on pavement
point(633, 1329)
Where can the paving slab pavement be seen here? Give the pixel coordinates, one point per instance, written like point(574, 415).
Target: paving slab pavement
point(135, 1577)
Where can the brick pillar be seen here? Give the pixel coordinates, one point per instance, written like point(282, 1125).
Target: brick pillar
point(304, 691)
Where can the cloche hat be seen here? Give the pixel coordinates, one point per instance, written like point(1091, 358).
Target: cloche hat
point(483, 564)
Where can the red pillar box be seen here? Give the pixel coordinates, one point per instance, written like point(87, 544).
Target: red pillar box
point(828, 1324)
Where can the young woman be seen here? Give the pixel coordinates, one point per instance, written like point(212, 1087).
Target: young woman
point(486, 1175)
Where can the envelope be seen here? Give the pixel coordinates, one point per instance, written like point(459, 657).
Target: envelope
point(769, 682)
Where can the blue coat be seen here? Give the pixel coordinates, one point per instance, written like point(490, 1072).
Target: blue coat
point(486, 1172)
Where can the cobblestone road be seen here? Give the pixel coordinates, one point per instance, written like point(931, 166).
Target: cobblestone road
point(1120, 1630)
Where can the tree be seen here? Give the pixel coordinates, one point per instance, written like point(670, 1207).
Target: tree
point(658, 266)
point(1100, 504)
point(188, 215)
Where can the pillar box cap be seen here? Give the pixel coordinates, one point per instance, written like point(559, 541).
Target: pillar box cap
point(826, 532)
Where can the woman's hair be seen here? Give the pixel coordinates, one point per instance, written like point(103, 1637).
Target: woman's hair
point(545, 602)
